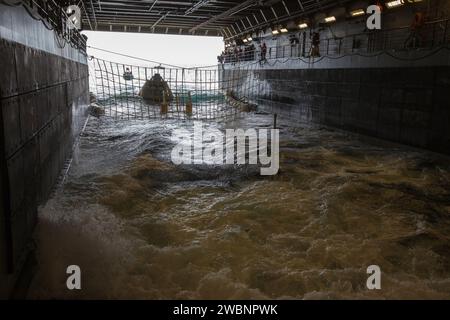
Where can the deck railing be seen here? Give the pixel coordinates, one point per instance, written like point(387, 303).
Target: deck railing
point(432, 34)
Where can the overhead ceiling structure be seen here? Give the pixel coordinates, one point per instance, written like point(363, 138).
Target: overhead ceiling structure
point(225, 18)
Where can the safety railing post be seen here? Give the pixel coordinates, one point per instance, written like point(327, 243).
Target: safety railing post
point(444, 38)
point(433, 38)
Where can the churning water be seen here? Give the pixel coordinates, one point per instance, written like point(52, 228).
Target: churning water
point(141, 227)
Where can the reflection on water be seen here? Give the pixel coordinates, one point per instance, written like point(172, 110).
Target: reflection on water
point(140, 227)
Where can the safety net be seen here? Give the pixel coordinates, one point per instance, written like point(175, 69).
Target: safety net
point(128, 91)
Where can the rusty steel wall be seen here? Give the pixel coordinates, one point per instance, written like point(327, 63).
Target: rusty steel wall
point(44, 101)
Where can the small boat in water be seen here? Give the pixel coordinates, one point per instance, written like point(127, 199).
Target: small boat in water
point(128, 75)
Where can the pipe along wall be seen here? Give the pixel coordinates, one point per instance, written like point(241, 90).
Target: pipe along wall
point(44, 101)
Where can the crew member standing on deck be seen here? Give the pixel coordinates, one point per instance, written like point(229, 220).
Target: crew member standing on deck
point(315, 44)
point(415, 38)
point(263, 53)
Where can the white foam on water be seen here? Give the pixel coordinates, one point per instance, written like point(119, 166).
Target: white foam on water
point(140, 227)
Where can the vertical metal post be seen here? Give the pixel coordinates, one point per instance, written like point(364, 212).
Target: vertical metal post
point(170, 82)
point(304, 44)
point(101, 76)
point(433, 39)
point(444, 38)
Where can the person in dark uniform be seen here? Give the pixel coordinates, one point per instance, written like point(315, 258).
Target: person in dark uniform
point(315, 44)
point(415, 38)
point(263, 52)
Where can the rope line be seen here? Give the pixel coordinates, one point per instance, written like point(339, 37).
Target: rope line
point(134, 57)
point(152, 61)
point(311, 60)
point(274, 61)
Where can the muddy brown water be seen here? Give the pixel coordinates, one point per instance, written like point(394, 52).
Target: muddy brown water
point(142, 227)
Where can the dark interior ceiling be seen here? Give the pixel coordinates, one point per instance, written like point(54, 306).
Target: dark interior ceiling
point(223, 18)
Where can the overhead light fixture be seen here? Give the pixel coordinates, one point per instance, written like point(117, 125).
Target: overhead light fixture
point(393, 4)
point(283, 30)
point(356, 13)
point(249, 39)
point(330, 19)
point(275, 32)
point(245, 40)
point(303, 25)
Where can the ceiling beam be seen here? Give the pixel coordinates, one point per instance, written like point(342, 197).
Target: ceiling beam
point(234, 9)
point(196, 6)
point(93, 13)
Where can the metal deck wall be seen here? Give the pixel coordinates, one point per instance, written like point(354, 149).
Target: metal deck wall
point(394, 94)
point(409, 105)
point(44, 100)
